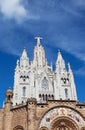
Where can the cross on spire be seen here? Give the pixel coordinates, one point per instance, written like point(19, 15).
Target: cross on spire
point(38, 40)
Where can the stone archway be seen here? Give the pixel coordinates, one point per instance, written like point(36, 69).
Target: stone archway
point(64, 124)
point(43, 128)
point(18, 128)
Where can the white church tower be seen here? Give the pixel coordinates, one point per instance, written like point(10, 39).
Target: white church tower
point(37, 79)
point(64, 80)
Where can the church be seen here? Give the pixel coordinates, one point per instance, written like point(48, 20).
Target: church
point(42, 98)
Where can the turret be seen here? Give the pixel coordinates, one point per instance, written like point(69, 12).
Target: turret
point(9, 96)
point(7, 108)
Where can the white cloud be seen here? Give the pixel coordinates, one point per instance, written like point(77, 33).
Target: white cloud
point(14, 9)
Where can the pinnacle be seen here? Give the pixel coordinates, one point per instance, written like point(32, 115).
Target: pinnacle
point(24, 53)
point(69, 67)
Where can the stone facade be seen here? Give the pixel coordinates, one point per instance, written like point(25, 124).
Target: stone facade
point(53, 115)
point(59, 109)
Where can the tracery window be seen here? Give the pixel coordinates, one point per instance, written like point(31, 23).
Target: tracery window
point(45, 84)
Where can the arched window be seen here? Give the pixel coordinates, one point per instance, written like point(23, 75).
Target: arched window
point(66, 93)
point(45, 84)
point(52, 97)
point(24, 91)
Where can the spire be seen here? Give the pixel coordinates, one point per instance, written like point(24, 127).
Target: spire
point(24, 53)
point(60, 64)
point(24, 60)
point(38, 40)
point(39, 54)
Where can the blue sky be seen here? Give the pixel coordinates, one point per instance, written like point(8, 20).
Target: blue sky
point(61, 23)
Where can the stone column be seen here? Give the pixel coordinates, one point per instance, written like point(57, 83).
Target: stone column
point(31, 109)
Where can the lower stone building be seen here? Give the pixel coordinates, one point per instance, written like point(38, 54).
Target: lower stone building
point(42, 99)
point(53, 115)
